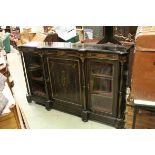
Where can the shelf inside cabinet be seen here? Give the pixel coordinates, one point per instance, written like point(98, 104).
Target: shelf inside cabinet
point(36, 75)
point(102, 93)
point(38, 88)
point(34, 67)
point(103, 76)
point(101, 85)
point(39, 93)
point(40, 79)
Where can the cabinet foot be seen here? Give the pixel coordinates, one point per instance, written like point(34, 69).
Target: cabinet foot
point(119, 124)
point(29, 99)
point(84, 116)
point(48, 105)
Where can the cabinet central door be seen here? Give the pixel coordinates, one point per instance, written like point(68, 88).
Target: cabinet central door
point(65, 79)
point(102, 81)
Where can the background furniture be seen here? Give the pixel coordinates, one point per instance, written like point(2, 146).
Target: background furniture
point(140, 116)
point(4, 68)
point(5, 37)
point(143, 81)
point(7, 29)
point(14, 36)
point(144, 64)
point(51, 37)
point(118, 34)
point(26, 37)
point(11, 117)
point(148, 106)
point(86, 80)
point(109, 36)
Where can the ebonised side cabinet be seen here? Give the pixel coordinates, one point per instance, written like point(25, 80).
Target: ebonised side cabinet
point(87, 80)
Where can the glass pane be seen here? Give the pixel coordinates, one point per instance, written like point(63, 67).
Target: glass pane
point(102, 68)
point(100, 103)
point(101, 85)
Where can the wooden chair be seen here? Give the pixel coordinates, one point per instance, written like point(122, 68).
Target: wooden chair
point(12, 116)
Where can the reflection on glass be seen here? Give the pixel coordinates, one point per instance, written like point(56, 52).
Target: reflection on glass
point(101, 104)
point(102, 68)
point(101, 84)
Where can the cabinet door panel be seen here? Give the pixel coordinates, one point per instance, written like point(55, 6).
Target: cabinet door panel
point(65, 79)
point(102, 68)
point(102, 82)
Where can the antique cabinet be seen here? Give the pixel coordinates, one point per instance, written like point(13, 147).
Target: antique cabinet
point(87, 80)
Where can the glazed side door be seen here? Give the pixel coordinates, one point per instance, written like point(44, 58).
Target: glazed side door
point(102, 83)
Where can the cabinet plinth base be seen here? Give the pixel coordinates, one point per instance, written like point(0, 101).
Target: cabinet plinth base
point(84, 116)
point(48, 105)
point(29, 99)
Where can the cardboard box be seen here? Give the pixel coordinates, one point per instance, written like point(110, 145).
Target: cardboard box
point(27, 30)
point(39, 37)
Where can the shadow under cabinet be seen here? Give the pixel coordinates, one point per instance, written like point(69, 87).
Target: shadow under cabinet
point(86, 80)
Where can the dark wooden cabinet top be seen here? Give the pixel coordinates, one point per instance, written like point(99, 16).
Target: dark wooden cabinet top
point(82, 47)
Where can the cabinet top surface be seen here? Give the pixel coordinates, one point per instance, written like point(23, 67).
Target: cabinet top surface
point(77, 46)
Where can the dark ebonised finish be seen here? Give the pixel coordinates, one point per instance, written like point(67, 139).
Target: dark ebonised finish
point(87, 80)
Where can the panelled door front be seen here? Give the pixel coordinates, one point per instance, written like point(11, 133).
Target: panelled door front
point(65, 79)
